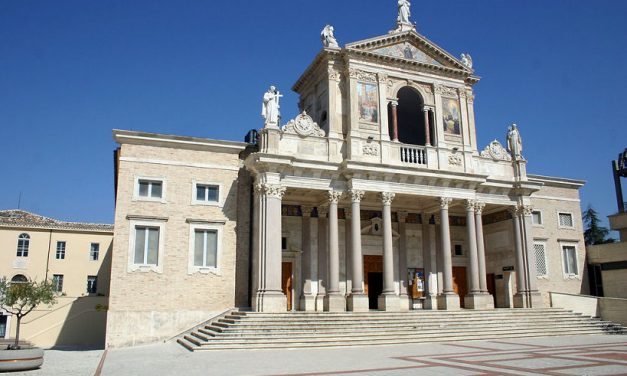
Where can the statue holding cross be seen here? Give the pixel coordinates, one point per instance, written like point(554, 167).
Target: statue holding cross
point(270, 107)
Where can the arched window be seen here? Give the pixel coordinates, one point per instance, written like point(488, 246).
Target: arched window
point(410, 118)
point(19, 278)
point(23, 241)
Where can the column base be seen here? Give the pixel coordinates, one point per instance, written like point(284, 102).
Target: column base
point(430, 303)
point(528, 300)
point(308, 303)
point(448, 302)
point(358, 303)
point(479, 301)
point(270, 301)
point(389, 303)
point(405, 304)
point(335, 303)
point(320, 302)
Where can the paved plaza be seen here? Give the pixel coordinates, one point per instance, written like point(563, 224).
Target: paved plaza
point(567, 355)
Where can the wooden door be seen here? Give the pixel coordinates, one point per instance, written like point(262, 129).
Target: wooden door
point(373, 279)
point(286, 282)
point(460, 283)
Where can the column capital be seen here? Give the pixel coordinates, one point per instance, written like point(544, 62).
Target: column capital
point(306, 210)
point(356, 195)
point(445, 202)
point(323, 211)
point(347, 214)
point(401, 215)
point(513, 210)
point(334, 196)
point(270, 190)
point(479, 207)
point(387, 197)
point(437, 219)
point(394, 102)
point(425, 109)
point(470, 205)
point(527, 210)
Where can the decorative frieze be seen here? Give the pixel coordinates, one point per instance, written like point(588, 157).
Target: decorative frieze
point(370, 149)
point(446, 91)
point(496, 151)
point(362, 75)
point(455, 160)
point(304, 126)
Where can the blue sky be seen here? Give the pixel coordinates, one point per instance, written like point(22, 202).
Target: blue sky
point(71, 71)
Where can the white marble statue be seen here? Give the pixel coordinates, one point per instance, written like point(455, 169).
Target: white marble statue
point(467, 60)
point(270, 106)
point(403, 12)
point(328, 39)
point(514, 142)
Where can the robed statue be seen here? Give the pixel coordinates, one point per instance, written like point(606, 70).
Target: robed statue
point(328, 39)
point(403, 12)
point(514, 142)
point(270, 106)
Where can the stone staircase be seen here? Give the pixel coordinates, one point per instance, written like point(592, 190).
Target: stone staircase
point(254, 330)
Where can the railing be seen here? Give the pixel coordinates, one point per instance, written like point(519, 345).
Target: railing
point(414, 155)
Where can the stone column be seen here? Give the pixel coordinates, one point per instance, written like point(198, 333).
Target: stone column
point(535, 298)
point(483, 283)
point(388, 300)
point(439, 269)
point(520, 298)
point(348, 269)
point(429, 267)
point(322, 256)
point(357, 301)
point(394, 121)
point(334, 301)
point(448, 300)
point(425, 111)
point(307, 300)
point(269, 296)
point(405, 302)
point(473, 300)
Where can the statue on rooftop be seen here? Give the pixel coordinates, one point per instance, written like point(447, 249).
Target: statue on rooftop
point(514, 142)
point(467, 60)
point(328, 39)
point(270, 107)
point(403, 12)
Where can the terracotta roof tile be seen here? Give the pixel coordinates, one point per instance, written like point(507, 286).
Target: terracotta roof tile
point(22, 218)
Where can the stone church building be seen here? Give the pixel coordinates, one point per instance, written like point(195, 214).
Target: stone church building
point(376, 197)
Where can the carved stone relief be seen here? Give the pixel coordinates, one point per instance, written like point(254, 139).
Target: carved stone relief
point(362, 75)
point(371, 149)
point(455, 160)
point(446, 91)
point(496, 152)
point(303, 125)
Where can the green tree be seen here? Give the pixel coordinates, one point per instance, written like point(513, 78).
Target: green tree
point(595, 233)
point(20, 298)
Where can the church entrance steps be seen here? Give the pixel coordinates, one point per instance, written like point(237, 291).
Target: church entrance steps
point(251, 330)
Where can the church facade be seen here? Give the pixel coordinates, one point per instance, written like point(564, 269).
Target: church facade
point(376, 196)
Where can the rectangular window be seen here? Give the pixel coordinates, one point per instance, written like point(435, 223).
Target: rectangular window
point(60, 250)
point(206, 248)
point(94, 252)
point(57, 282)
point(92, 282)
point(457, 250)
point(536, 217)
point(207, 193)
point(146, 245)
point(565, 220)
point(150, 188)
point(540, 250)
point(284, 243)
point(569, 253)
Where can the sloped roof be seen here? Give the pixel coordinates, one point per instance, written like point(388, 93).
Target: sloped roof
point(22, 218)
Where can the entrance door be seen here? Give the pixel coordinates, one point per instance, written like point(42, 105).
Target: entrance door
point(373, 279)
point(491, 286)
point(286, 282)
point(460, 284)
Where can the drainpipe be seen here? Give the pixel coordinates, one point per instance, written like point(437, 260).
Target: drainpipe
point(48, 258)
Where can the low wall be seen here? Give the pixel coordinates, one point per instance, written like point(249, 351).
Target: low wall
point(610, 309)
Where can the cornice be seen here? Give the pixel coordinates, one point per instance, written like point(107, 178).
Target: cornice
point(322, 57)
point(183, 142)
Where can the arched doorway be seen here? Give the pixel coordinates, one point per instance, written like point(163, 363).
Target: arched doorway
point(410, 119)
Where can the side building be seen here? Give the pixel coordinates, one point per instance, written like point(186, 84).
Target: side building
point(76, 257)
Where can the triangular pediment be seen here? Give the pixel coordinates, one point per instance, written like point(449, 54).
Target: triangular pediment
point(411, 47)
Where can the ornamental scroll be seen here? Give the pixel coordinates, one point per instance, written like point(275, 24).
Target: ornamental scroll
point(496, 151)
point(304, 126)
